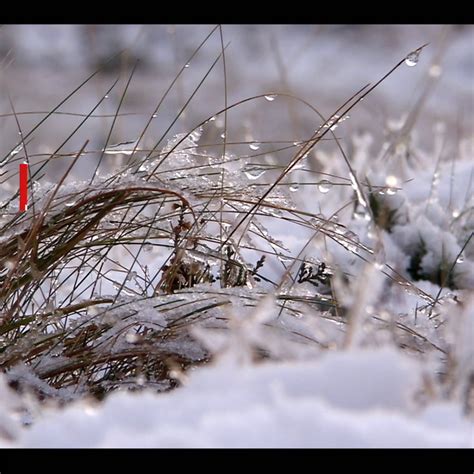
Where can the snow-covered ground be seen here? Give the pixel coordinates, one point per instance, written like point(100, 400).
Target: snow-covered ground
point(346, 399)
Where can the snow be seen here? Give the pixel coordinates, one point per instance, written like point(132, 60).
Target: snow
point(370, 395)
point(356, 398)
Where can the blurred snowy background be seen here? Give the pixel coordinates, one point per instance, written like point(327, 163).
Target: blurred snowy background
point(322, 64)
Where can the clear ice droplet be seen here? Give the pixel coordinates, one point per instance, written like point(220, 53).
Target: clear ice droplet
point(324, 186)
point(254, 172)
point(412, 59)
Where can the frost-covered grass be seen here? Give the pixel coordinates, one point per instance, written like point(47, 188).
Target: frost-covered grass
point(325, 284)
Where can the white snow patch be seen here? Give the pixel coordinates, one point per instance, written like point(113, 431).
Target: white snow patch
point(359, 398)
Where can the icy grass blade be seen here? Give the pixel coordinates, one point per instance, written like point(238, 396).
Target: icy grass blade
point(123, 148)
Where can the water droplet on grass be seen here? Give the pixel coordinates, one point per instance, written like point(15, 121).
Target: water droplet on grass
point(254, 172)
point(324, 186)
point(361, 214)
point(294, 187)
point(254, 146)
point(412, 59)
point(351, 236)
point(270, 97)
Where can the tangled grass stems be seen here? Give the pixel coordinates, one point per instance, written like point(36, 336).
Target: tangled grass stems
point(103, 280)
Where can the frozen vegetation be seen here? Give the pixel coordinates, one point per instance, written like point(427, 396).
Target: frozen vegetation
point(207, 286)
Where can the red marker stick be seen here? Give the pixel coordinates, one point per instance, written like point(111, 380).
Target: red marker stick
point(23, 186)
